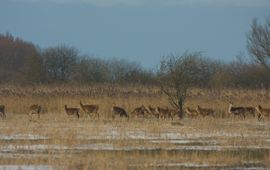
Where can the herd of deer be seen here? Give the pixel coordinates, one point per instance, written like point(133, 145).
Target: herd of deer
point(240, 111)
point(158, 112)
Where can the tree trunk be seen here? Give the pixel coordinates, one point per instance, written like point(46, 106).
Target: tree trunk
point(180, 105)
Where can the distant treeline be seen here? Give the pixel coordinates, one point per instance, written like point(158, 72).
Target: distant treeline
point(22, 62)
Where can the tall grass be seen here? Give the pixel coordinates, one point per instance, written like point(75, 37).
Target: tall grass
point(61, 135)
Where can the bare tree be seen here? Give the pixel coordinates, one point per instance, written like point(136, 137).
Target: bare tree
point(89, 70)
point(59, 62)
point(178, 74)
point(258, 42)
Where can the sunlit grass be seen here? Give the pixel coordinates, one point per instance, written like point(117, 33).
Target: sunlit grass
point(59, 140)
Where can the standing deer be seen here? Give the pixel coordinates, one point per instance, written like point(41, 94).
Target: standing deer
point(119, 111)
point(263, 112)
point(88, 109)
point(166, 112)
point(2, 111)
point(237, 111)
point(163, 112)
point(191, 112)
point(153, 111)
point(205, 111)
point(72, 111)
point(34, 109)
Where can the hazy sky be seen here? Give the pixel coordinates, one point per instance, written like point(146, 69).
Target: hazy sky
point(137, 30)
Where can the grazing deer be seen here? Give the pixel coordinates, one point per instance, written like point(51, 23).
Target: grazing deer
point(263, 112)
point(237, 111)
point(34, 109)
point(2, 111)
point(88, 109)
point(119, 111)
point(205, 111)
point(140, 111)
point(153, 111)
point(191, 112)
point(72, 111)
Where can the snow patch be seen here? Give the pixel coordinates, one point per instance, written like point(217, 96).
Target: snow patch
point(97, 146)
point(186, 165)
point(25, 167)
point(10, 148)
point(22, 137)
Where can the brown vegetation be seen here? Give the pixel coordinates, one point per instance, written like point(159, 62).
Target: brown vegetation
point(93, 143)
point(23, 63)
point(60, 75)
point(54, 98)
point(135, 144)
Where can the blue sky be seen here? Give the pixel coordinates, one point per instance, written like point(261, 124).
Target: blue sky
point(136, 30)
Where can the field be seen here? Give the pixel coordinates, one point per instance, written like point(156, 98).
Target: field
point(58, 141)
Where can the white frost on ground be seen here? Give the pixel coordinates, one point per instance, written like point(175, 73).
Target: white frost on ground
point(194, 165)
point(25, 167)
point(39, 147)
point(22, 137)
point(267, 140)
point(186, 141)
point(247, 168)
point(96, 146)
point(115, 134)
point(186, 165)
point(111, 147)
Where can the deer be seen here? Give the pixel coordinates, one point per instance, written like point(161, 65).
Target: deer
point(172, 113)
point(2, 111)
point(119, 111)
point(166, 112)
point(262, 112)
point(153, 111)
point(72, 111)
point(237, 111)
point(34, 109)
point(88, 109)
point(140, 111)
point(205, 111)
point(163, 112)
point(191, 112)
